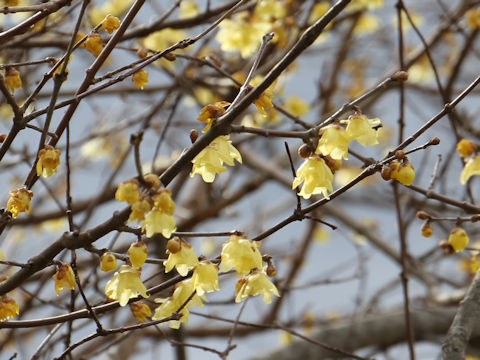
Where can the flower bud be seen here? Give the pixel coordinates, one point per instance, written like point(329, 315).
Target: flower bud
point(427, 229)
point(271, 270)
point(142, 53)
point(400, 76)
point(422, 215)
point(458, 239)
point(400, 154)
point(304, 151)
point(138, 253)
point(108, 261)
point(435, 141)
point(193, 135)
point(386, 172)
point(174, 245)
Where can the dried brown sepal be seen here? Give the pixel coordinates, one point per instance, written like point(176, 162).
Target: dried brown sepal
point(3, 137)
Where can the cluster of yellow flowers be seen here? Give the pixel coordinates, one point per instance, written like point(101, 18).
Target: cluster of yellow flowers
point(315, 174)
point(154, 209)
point(468, 150)
point(238, 253)
point(94, 43)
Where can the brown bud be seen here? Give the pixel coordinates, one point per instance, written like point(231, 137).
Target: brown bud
point(400, 76)
point(447, 248)
point(170, 56)
point(142, 53)
point(3, 137)
point(304, 151)
point(435, 141)
point(386, 172)
point(475, 218)
point(174, 245)
point(400, 154)
point(193, 135)
point(271, 270)
point(422, 215)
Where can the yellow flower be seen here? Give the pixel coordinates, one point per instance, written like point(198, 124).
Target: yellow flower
point(158, 222)
point(64, 278)
point(140, 78)
point(367, 23)
point(12, 79)
point(209, 161)
point(163, 201)
point(241, 254)
point(163, 39)
point(188, 8)
point(264, 101)
point(140, 310)
point(472, 167)
point(125, 284)
point(402, 172)
point(473, 18)
point(459, 239)
point(316, 177)
point(128, 191)
point(296, 106)
point(114, 7)
point(19, 201)
point(94, 43)
point(48, 161)
point(8, 308)
point(159, 219)
point(111, 23)
point(318, 10)
point(108, 261)
point(257, 283)
point(140, 208)
point(183, 260)
point(268, 10)
point(239, 34)
point(205, 277)
point(138, 253)
point(212, 112)
point(360, 128)
point(183, 290)
point(466, 147)
point(357, 5)
point(334, 142)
